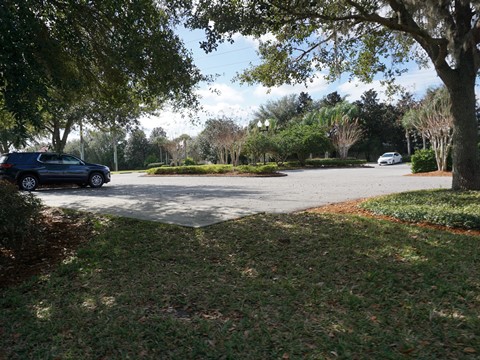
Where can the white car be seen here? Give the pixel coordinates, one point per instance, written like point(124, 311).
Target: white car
point(389, 158)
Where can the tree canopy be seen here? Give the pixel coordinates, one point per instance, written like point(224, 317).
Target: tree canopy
point(109, 49)
point(363, 38)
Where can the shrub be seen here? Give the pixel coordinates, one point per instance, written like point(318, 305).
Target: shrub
point(19, 217)
point(194, 169)
point(154, 165)
point(291, 165)
point(151, 159)
point(334, 162)
point(424, 161)
point(189, 162)
point(262, 169)
point(458, 209)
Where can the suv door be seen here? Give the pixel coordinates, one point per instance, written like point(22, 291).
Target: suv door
point(74, 169)
point(53, 168)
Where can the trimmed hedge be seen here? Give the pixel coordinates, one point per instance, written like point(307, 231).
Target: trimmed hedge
point(456, 209)
point(262, 169)
point(212, 169)
point(334, 162)
point(194, 169)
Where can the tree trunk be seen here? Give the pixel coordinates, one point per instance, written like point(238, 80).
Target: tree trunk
point(409, 146)
point(466, 162)
point(4, 147)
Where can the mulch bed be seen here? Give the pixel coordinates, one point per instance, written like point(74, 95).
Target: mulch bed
point(61, 235)
point(433, 173)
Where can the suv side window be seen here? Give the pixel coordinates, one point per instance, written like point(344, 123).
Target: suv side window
point(50, 158)
point(70, 160)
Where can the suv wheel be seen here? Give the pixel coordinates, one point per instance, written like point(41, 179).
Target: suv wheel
point(96, 180)
point(28, 182)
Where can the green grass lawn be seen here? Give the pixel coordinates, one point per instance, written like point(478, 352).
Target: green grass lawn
point(263, 287)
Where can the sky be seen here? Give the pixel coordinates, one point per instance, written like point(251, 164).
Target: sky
point(240, 101)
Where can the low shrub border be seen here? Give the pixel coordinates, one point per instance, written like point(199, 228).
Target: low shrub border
point(334, 162)
point(456, 209)
point(268, 169)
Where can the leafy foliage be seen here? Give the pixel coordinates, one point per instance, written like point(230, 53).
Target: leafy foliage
point(343, 127)
point(433, 119)
point(136, 149)
point(260, 169)
point(58, 58)
point(425, 161)
point(221, 140)
point(189, 162)
point(282, 111)
point(458, 209)
point(304, 140)
point(257, 144)
point(381, 130)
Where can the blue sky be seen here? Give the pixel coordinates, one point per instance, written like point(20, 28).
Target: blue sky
point(240, 101)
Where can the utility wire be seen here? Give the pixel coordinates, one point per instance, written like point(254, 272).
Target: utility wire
point(223, 53)
point(226, 65)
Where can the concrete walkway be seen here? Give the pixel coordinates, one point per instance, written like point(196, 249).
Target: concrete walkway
point(198, 201)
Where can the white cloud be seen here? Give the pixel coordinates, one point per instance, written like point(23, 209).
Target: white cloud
point(414, 81)
point(253, 41)
point(235, 111)
point(354, 89)
point(318, 85)
point(221, 92)
point(173, 123)
point(418, 81)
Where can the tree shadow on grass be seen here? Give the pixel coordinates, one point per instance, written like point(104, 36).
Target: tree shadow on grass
point(268, 286)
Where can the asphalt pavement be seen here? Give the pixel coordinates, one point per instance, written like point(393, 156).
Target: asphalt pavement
point(198, 201)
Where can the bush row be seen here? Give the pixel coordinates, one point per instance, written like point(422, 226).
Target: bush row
point(456, 209)
point(212, 169)
point(334, 162)
point(261, 169)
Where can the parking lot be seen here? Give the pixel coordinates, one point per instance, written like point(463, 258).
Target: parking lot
point(204, 200)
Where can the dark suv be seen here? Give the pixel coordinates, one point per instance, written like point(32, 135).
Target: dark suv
point(30, 169)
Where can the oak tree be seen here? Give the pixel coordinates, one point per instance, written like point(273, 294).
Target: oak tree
point(363, 38)
point(100, 49)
